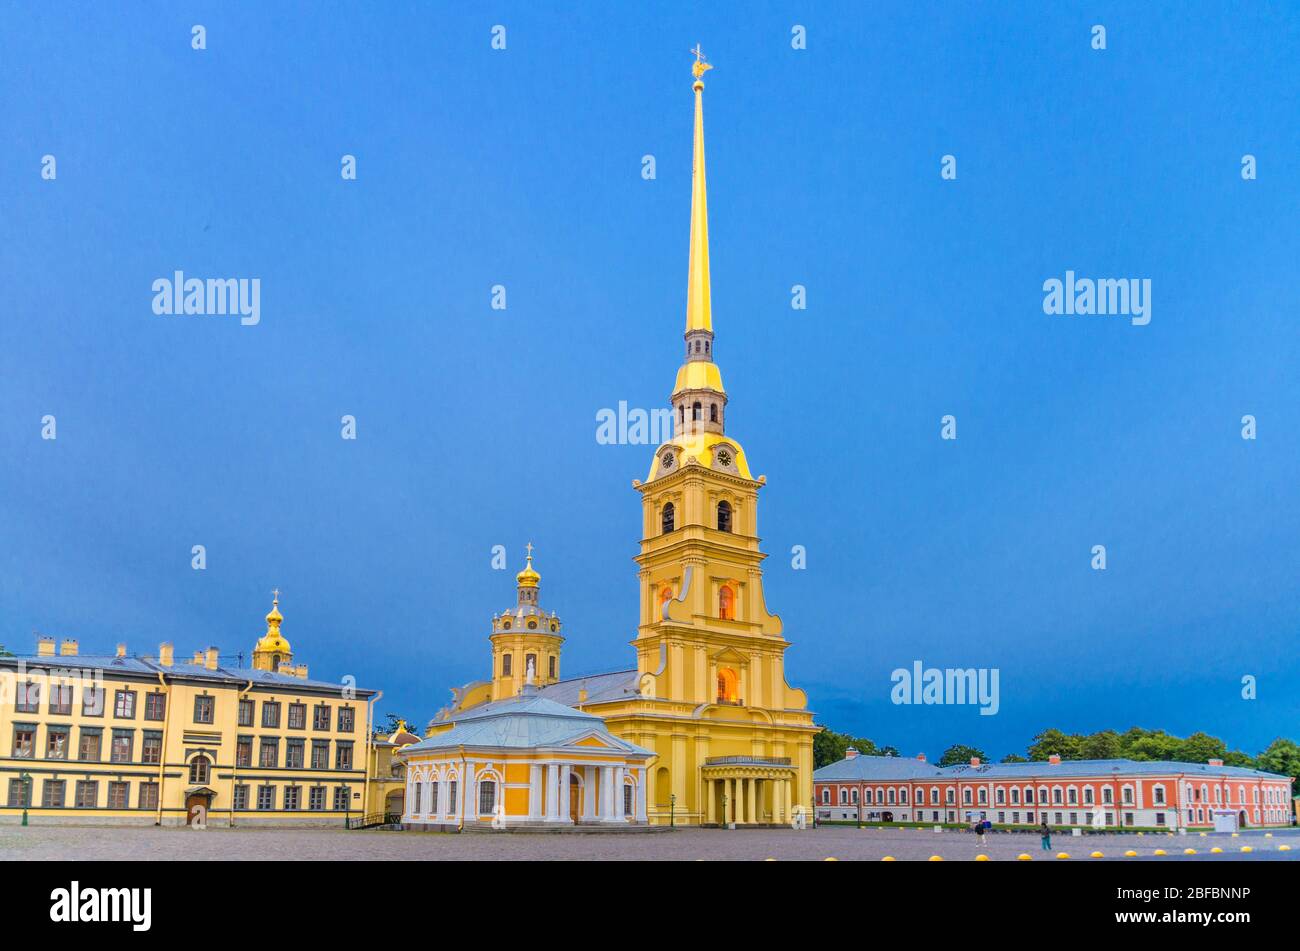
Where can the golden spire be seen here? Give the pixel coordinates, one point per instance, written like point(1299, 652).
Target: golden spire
point(272, 649)
point(699, 308)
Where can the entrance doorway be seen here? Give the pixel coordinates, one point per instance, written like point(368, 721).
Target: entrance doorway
point(196, 808)
point(575, 798)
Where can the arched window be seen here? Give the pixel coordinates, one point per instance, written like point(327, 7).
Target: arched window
point(681, 413)
point(697, 410)
point(726, 603)
point(706, 346)
point(697, 346)
point(199, 769)
point(668, 518)
point(487, 797)
point(713, 412)
point(728, 686)
point(724, 516)
point(665, 595)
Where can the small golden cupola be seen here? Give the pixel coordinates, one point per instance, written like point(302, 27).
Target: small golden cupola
point(272, 650)
point(522, 635)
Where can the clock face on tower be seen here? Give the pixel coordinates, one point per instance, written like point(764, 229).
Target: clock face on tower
point(667, 460)
point(724, 458)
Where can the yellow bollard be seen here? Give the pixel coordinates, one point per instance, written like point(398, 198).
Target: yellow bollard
point(1158, 852)
point(935, 858)
point(830, 858)
point(1247, 848)
point(1141, 833)
point(1268, 835)
point(1189, 851)
point(1062, 855)
point(1284, 848)
point(769, 859)
point(1130, 853)
point(1236, 835)
point(1098, 855)
point(1024, 857)
point(889, 858)
point(1216, 849)
point(1201, 834)
point(981, 858)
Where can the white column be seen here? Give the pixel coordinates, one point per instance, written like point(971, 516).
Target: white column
point(778, 807)
point(534, 791)
point(620, 780)
point(552, 791)
point(589, 792)
point(564, 794)
point(607, 794)
point(640, 795)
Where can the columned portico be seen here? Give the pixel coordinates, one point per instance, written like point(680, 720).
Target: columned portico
point(749, 791)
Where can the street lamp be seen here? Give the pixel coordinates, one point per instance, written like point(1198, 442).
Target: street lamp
point(672, 810)
point(26, 780)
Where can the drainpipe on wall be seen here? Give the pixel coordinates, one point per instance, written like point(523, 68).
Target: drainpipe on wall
point(370, 738)
point(162, 759)
point(464, 777)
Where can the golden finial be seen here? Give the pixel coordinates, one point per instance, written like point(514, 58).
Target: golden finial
point(275, 597)
point(701, 65)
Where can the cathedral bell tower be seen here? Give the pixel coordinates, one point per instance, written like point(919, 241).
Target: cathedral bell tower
point(522, 635)
point(705, 636)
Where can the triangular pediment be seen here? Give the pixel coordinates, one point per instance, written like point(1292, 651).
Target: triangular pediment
point(730, 656)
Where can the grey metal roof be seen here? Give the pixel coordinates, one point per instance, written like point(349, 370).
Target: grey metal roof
point(523, 722)
point(877, 767)
point(148, 667)
point(1096, 768)
point(600, 687)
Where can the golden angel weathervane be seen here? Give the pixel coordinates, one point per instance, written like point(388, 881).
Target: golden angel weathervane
point(701, 65)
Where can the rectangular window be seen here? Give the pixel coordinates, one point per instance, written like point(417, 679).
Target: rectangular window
point(120, 751)
point(92, 701)
point(320, 754)
point(505, 665)
point(265, 797)
point(292, 797)
point(245, 712)
point(89, 750)
point(342, 798)
point(52, 792)
point(1160, 818)
point(119, 795)
point(124, 704)
point(433, 797)
point(155, 705)
point(551, 669)
point(24, 740)
point(270, 714)
point(18, 794)
point(269, 753)
point(347, 720)
point(453, 805)
point(297, 716)
point(1160, 795)
point(61, 700)
point(244, 751)
point(28, 699)
point(151, 748)
point(293, 754)
point(87, 794)
point(1074, 818)
point(343, 754)
point(415, 801)
point(56, 742)
point(241, 797)
point(205, 709)
point(316, 798)
point(628, 808)
point(320, 717)
point(148, 796)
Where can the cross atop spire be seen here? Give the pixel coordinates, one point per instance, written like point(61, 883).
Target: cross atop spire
point(701, 64)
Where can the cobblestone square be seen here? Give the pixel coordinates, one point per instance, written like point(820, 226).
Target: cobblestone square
point(845, 843)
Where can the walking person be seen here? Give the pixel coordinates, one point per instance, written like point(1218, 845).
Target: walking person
point(1046, 832)
point(980, 828)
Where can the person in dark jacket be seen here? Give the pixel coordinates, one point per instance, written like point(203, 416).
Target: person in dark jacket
point(1046, 832)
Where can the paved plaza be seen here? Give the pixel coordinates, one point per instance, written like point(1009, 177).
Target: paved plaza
point(90, 842)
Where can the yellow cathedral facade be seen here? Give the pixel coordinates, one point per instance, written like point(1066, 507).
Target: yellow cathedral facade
point(705, 728)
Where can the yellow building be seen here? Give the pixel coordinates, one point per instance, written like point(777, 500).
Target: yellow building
point(151, 740)
point(708, 696)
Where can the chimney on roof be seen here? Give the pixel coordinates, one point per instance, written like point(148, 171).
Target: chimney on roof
point(851, 753)
point(121, 650)
point(44, 646)
point(197, 659)
point(166, 656)
point(69, 647)
point(1216, 762)
point(210, 658)
point(921, 757)
point(974, 760)
point(1054, 759)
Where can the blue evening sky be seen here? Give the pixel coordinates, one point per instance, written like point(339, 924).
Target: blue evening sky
point(476, 427)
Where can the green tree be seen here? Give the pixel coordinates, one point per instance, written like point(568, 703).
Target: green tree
point(959, 755)
point(1282, 756)
point(1055, 743)
point(1103, 745)
point(1200, 747)
point(1014, 758)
